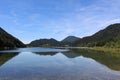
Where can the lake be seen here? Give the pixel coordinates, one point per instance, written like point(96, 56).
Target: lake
point(58, 64)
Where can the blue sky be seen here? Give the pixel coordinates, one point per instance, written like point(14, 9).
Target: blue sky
point(34, 19)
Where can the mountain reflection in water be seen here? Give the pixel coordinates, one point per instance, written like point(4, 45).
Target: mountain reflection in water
point(76, 64)
point(4, 57)
point(111, 60)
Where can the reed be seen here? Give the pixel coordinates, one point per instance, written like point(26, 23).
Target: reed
point(106, 49)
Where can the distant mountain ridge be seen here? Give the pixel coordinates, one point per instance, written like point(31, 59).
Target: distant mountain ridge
point(103, 37)
point(70, 39)
point(110, 36)
point(52, 42)
point(44, 43)
point(8, 41)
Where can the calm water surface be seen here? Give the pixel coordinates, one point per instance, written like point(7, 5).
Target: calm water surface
point(58, 64)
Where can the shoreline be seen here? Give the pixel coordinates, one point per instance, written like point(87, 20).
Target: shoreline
point(106, 49)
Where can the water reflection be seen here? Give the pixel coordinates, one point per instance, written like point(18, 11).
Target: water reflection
point(111, 60)
point(4, 57)
point(46, 53)
point(35, 49)
point(77, 64)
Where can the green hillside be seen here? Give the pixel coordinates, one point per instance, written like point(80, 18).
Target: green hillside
point(109, 37)
point(53, 43)
point(68, 41)
point(8, 41)
point(44, 43)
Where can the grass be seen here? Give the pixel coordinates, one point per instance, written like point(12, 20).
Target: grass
point(106, 49)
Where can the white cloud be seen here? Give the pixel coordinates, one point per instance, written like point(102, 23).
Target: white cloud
point(64, 19)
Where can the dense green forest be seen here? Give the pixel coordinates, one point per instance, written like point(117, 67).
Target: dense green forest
point(8, 41)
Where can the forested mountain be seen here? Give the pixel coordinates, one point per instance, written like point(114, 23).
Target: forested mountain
point(109, 36)
point(53, 43)
point(70, 39)
point(8, 41)
point(44, 43)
